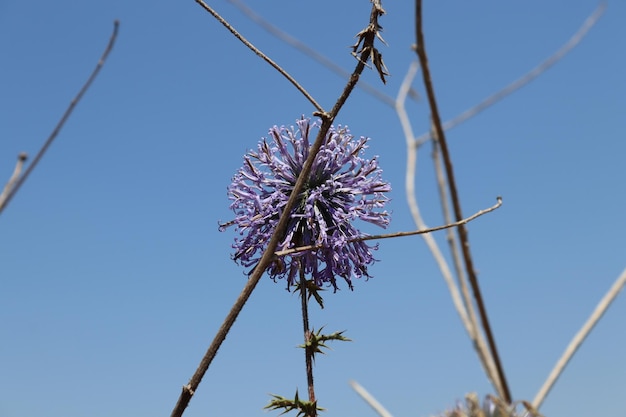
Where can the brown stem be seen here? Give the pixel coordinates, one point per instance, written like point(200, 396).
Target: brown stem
point(308, 354)
point(462, 231)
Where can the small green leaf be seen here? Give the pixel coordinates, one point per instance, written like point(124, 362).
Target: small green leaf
point(305, 408)
point(314, 291)
point(316, 340)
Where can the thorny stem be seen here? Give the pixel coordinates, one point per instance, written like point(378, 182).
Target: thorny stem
point(462, 231)
point(308, 354)
point(368, 46)
point(267, 257)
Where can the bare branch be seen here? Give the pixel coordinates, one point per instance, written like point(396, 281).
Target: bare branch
point(21, 158)
point(370, 400)
point(579, 338)
point(442, 186)
point(260, 54)
point(63, 119)
point(527, 78)
point(456, 203)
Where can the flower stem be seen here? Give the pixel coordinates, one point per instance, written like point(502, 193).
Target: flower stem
point(308, 354)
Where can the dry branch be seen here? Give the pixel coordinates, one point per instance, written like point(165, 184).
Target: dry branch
point(525, 79)
point(454, 196)
point(18, 183)
point(579, 338)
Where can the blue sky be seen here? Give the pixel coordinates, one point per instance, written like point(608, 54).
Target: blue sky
point(114, 277)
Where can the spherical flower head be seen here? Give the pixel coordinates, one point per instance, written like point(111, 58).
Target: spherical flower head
point(341, 188)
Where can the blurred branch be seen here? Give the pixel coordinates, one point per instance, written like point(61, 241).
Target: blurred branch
point(447, 218)
point(18, 183)
point(528, 77)
point(456, 203)
point(475, 335)
point(21, 159)
point(579, 338)
point(367, 37)
point(411, 167)
point(370, 400)
point(260, 54)
point(465, 310)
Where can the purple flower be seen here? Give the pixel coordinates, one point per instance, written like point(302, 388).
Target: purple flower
point(341, 188)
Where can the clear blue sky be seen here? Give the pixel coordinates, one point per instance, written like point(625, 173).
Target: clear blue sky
point(114, 277)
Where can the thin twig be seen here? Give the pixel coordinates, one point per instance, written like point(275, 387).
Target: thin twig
point(525, 79)
point(398, 234)
point(579, 338)
point(462, 231)
point(312, 53)
point(268, 256)
point(370, 400)
point(64, 118)
point(447, 217)
point(21, 159)
point(260, 54)
point(454, 251)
